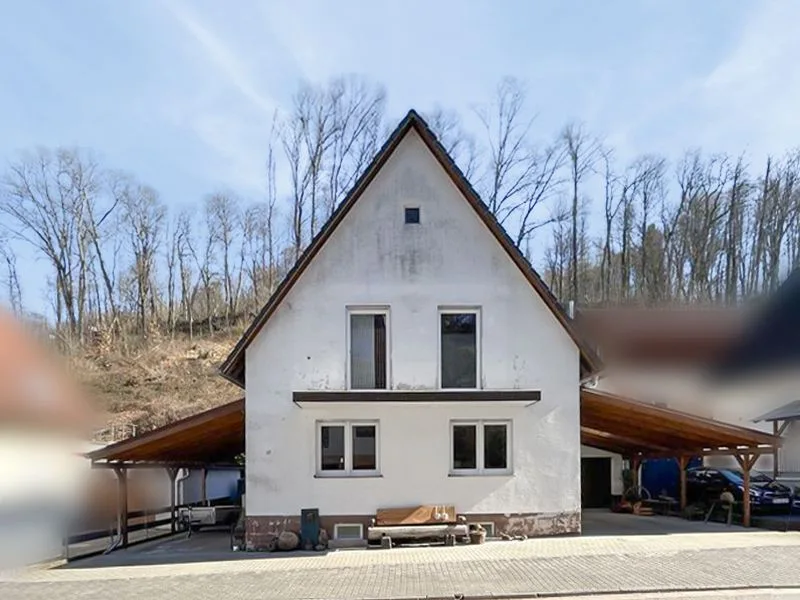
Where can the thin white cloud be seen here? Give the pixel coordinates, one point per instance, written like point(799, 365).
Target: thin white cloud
point(752, 95)
point(222, 56)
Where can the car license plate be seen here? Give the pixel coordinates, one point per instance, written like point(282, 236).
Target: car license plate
point(780, 501)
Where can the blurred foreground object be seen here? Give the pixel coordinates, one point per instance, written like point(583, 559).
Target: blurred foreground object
point(45, 425)
point(669, 336)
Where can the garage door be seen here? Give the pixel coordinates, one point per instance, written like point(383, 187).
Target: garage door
point(596, 482)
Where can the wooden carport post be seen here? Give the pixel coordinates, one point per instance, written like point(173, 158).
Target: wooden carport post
point(746, 462)
point(122, 504)
point(172, 472)
point(683, 461)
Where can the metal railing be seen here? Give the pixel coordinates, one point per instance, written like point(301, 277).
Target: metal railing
point(115, 433)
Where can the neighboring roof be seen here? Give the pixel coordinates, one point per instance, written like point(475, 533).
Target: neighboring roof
point(233, 368)
point(692, 335)
point(213, 437)
point(772, 341)
point(629, 427)
point(786, 412)
point(36, 389)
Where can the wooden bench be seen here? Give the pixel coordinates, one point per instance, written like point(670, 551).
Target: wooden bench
point(418, 524)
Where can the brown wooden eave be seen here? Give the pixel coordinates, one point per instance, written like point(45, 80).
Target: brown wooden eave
point(519, 397)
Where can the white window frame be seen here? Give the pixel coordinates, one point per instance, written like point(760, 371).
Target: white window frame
point(360, 531)
point(369, 310)
point(479, 424)
point(348, 449)
point(461, 310)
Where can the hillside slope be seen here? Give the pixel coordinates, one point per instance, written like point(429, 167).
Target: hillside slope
point(162, 383)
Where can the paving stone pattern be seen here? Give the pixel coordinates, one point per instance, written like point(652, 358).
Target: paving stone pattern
point(548, 566)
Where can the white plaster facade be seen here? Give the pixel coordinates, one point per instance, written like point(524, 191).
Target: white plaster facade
point(451, 259)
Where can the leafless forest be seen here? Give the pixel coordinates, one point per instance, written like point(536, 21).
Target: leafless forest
point(703, 229)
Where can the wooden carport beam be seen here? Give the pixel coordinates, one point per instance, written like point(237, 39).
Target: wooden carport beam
point(746, 462)
point(623, 441)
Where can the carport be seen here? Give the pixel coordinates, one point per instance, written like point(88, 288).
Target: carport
point(637, 431)
point(211, 439)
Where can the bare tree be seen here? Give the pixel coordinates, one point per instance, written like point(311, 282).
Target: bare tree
point(649, 189)
point(613, 199)
point(12, 286)
point(45, 197)
point(511, 166)
point(143, 215)
point(734, 230)
point(204, 260)
point(183, 232)
point(456, 140)
point(583, 151)
point(224, 218)
point(357, 109)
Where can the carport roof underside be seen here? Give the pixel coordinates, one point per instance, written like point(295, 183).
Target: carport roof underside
point(631, 428)
point(210, 438)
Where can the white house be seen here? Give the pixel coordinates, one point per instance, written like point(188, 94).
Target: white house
point(412, 356)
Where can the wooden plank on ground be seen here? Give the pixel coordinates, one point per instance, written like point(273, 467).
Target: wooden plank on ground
point(427, 514)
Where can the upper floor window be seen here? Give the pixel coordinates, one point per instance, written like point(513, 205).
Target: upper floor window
point(459, 348)
point(369, 349)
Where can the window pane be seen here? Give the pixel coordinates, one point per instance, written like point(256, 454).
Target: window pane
point(459, 350)
point(364, 448)
point(332, 445)
point(362, 352)
point(464, 447)
point(368, 352)
point(495, 447)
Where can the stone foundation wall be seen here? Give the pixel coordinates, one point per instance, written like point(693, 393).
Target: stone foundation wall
point(530, 524)
point(261, 530)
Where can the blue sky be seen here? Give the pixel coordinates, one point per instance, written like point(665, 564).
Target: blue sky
point(181, 93)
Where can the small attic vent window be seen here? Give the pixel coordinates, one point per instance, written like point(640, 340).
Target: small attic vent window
point(412, 215)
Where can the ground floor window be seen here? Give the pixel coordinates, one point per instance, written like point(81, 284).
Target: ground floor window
point(347, 448)
point(480, 447)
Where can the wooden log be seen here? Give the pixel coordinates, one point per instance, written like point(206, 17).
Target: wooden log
point(419, 532)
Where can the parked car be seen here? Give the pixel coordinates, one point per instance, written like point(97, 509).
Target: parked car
point(704, 485)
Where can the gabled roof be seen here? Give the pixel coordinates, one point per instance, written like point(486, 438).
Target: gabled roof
point(233, 368)
point(787, 412)
point(772, 339)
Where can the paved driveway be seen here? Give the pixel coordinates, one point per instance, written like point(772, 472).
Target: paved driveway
point(730, 557)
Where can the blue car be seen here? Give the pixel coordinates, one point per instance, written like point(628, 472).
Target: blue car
point(705, 484)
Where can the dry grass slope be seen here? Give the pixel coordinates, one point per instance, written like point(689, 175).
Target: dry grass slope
point(164, 382)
